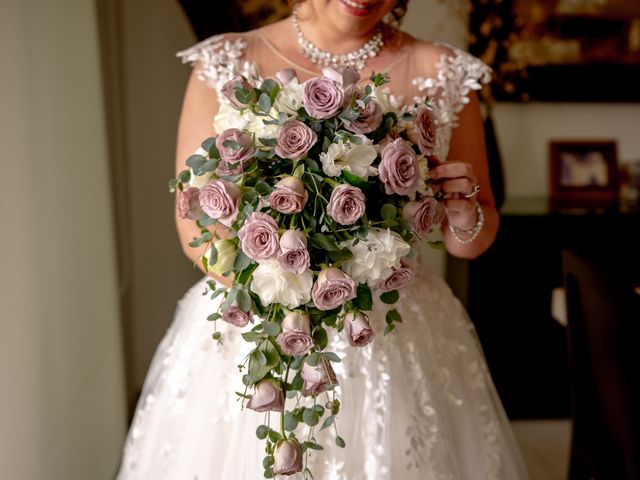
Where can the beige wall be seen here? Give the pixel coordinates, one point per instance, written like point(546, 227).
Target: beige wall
point(62, 403)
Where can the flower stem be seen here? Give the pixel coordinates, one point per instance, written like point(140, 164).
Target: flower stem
point(284, 393)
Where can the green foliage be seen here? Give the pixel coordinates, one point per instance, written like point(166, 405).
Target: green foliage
point(390, 297)
point(364, 298)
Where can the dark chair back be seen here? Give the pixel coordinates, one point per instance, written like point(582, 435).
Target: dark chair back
point(604, 350)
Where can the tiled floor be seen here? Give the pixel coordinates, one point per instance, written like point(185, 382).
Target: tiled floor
point(545, 447)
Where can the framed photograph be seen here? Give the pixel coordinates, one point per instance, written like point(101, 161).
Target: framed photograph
point(583, 172)
point(559, 50)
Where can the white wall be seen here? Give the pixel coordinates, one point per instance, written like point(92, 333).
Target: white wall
point(62, 404)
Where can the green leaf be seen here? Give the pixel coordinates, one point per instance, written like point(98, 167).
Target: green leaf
point(268, 142)
point(195, 161)
point(341, 255)
point(320, 337)
point(312, 446)
point(319, 409)
point(332, 357)
point(340, 441)
point(232, 144)
point(323, 242)
point(231, 296)
point(206, 145)
point(216, 335)
point(393, 316)
point(251, 336)
point(244, 95)
point(262, 431)
point(259, 357)
point(184, 176)
point(270, 87)
point(208, 166)
point(390, 297)
point(290, 422)
point(274, 436)
point(354, 180)
point(297, 382)
point(268, 461)
point(389, 329)
point(364, 298)
point(263, 187)
point(313, 359)
point(388, 211)
point(241, 262)
point(214, 316)
point(438, 245)
point(244, 300)
point(327, 422)
point(271, 328)
point(264, 103)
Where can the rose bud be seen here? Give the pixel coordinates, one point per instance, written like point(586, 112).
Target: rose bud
point(237, 317)
point(188, 204)
point(318, 378)
point(286, 75)
point(234, 160)
point(289, 196)
point(358, 329)
point(295, 140)
point(259, 237)
point(346, 204)
point(294, 255)
point(220, 199)
point(229, 91)
point(322, 98)
point(288, 457)
point(398, 168)
point(267, 397)
point(344, 77)
point(227, 253)
point(400, 277)
point(332, 289)
point(295, 338)
point(422, 131)
point(422, 215)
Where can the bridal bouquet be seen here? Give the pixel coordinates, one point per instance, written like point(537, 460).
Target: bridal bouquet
point(322, 189)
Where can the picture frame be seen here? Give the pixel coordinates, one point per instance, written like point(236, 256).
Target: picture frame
point(583, 172)
point(559, 50)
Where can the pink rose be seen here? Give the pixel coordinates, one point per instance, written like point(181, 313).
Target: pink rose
point(267, 397)
point(423, 215)
point(295, 338)
point(400, 277)
point(358, 329)
point(322, 98)
point(286, 75)
point(293, 255)
point(369, 119)
point(289, 196)
point(344, 77)
point(346, 204)
point(422, 131)
point(220, 199)
point(318, 378)
point(188, 204)
point(287, 457)
point(229, 91)
point(332, 289)
point(295, 140)
point(237, 317)
point(259, 237)
point(398, 168)
point(234, 159)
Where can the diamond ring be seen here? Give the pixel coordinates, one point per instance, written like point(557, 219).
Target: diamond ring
point(474, 191)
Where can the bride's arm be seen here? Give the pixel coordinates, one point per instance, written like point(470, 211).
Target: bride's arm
point(467, 164)
point(196, 124)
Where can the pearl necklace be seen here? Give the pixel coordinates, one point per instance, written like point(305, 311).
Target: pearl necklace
point(356, 59)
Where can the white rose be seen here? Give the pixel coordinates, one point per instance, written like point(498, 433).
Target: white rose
point(289, 99)
point(227, 253)
point(229, 117)
point(273, 284)
point(375, 256)
point(202, 180)
point(356, 158)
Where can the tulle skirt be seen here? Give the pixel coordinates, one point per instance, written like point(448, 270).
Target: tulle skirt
point(417, 404)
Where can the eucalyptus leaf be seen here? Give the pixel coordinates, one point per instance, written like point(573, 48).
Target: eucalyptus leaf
point(206, 145)
point(271, 328)
point(327, 422)
point(388, 211)
point(320, 337)
point(364, 298)
point(340, 442)
point(354, 180)
point(264, 103)
point(262, 431)
point(310, 417)
point(290, 422)
point(332, 357)
point(214, 316)
point(390, 297)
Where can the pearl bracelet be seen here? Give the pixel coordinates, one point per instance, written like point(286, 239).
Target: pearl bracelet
point(473, 233)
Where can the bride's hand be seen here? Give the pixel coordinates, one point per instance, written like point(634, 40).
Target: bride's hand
point(456, 184)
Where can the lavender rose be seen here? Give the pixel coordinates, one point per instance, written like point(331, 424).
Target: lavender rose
point(422, 131)
point(188, 204)
point(287, 457)
point(295, 338)
point(229, 91)
point(220, 199)
point(286, 75)
point(400, 277)
point(259, 237)
point(322, 98)
point(317, 379)
point(234, 159)
point(344, 77)
point(267, 397)
point(289, 196)
point(294, 256)
point(346, 204)
point(369, 119)
point(332, 289)
point(358, 329)
point(398, 168)
point(423, 215)
point(295, 140)
point(235, 316)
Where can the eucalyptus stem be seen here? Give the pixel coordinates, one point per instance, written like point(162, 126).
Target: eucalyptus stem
point(284, 393)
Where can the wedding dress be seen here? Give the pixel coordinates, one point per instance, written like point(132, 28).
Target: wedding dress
point(418, 404)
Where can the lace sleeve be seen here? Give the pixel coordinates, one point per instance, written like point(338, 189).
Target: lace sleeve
point(218, 59)
point(458, 73)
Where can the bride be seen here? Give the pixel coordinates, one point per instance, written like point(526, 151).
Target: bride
point(417, 404)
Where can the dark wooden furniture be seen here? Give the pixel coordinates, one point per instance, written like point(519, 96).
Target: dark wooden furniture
point(507, 292)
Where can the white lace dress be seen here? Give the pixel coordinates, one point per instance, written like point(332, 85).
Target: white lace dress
point(418, 404)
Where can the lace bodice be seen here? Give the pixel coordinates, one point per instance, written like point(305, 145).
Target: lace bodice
point(444, 73)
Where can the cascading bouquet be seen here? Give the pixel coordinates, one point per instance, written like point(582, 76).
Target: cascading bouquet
point(321, 193)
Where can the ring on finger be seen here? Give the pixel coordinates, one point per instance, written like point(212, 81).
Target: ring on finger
point(474, 191)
